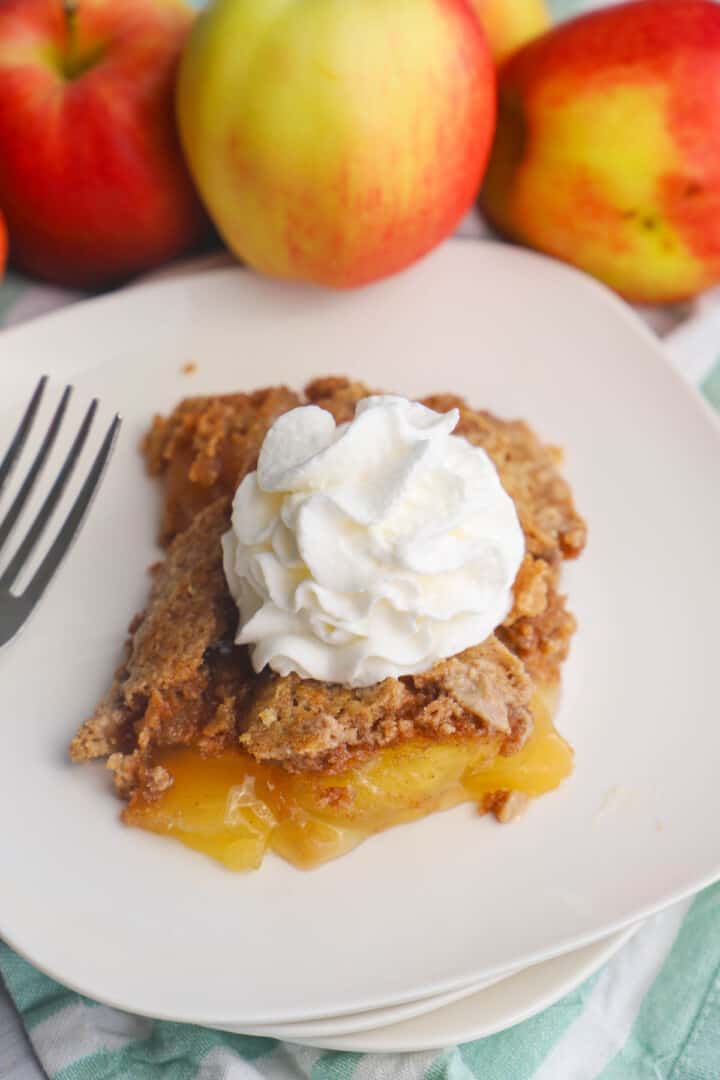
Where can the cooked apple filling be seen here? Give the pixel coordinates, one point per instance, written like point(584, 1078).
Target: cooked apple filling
point(234, 808)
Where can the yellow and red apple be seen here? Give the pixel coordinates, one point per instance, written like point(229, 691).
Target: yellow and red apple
point(510, 24)
point(92, 180)
point(607, 153)
point(336, 142)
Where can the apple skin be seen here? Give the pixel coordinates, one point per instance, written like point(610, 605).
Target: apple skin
point(336, 142)
point(3, 246)
point(92, 180)
point(510, 24)
point(607, 153)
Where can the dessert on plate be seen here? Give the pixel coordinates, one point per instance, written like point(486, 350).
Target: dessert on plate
point(357, 621)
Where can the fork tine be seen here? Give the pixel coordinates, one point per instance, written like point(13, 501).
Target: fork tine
point(8, 523)
point(20, 436)
point(43, 516)
point(74, 519)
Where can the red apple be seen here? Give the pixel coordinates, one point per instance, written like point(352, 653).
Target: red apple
point(92, 180)
point(607, 151)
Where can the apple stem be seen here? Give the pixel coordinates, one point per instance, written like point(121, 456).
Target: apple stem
point(70, 8)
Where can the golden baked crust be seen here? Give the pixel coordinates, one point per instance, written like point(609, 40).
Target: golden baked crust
point(184, 682)
point(163, 692)
point(206, 445)
point(302, 724)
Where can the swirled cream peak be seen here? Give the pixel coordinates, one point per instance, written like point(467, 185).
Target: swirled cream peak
point(369, 549)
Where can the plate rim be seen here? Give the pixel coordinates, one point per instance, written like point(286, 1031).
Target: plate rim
point(541, 1002)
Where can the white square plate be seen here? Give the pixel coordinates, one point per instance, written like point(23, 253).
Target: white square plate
point(142, 922)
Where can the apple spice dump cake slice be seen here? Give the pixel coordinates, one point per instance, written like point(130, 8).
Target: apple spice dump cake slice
point(233, 762)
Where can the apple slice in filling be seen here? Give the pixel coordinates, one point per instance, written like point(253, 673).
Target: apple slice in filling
point(234, 809)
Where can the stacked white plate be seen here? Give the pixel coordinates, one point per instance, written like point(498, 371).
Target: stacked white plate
point(447, 1019)
point(396, 945)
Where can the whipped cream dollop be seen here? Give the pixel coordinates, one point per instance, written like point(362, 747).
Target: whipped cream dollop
point(375, 548)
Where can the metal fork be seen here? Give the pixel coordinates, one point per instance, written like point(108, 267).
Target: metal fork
point(15, 608)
